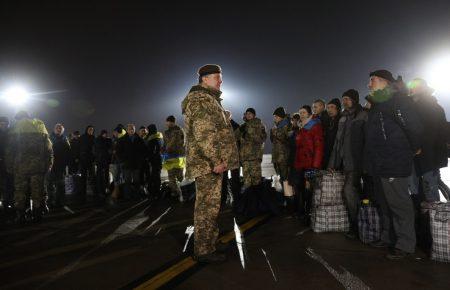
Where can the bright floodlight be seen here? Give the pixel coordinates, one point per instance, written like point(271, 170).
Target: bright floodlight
point(438, 76)
point(16, 96)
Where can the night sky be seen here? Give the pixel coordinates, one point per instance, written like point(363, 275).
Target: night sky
point(121, 63)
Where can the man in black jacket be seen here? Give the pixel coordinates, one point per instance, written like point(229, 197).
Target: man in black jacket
point(347, 154)
point(433, 155)
point(330, 131)
point(55, 178)
point(103, 153)
point(131, 151)
point(87, 166)
point(392, 140)
point(154, 144)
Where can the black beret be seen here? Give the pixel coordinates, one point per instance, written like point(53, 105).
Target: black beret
point(382, 73)
point(208, 69)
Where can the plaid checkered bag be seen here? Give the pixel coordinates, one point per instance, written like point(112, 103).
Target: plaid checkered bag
point(369, 224)
point(69, 184)
point(328, 189)
point(329, 218)
point(440, 231)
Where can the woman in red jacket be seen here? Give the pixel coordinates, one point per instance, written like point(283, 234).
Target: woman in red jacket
point(306, 154)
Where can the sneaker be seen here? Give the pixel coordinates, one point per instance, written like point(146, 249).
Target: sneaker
point(397, 254)
point(211, 258)
point(379, 244)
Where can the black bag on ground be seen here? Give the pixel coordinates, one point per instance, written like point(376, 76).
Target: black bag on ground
point(258, 200)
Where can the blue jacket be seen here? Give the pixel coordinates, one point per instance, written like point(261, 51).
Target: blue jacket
point(392, 135)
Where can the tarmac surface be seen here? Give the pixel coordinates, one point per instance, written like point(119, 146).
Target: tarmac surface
point(139, 245)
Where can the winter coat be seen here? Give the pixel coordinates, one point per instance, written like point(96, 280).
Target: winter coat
point(279, 135)
point(87, 148)
point(131, 151)
point(329, 136)
point(209, 136)
point(306, 146)
point(348, 149)
point(251, 135)
point(434, 145)
point(29, 150)
point(154, 144)
point(393, 133)
point(61, 153)
point(103, 151)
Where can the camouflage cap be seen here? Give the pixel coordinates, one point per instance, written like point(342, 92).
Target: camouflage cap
point(208, 69)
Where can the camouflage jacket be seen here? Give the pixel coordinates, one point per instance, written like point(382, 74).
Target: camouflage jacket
point(174, 141)
point(279, 135)
point(252, 135)
point(29, 149)
point(209, 135)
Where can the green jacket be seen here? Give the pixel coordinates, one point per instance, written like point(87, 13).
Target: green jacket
point(29, 150)
point(252, 135)
point(279, 135)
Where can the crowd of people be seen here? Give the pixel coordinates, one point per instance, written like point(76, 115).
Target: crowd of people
point(391, 147)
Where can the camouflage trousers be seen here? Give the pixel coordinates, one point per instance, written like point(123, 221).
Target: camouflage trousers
point(252, 172)
point(175, 177)
point(26, 185)
point(206, 213)
point(282, 170)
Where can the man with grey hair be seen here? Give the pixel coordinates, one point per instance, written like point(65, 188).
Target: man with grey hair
point(55, 178)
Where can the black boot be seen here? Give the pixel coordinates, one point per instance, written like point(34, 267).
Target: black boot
point(37, 215)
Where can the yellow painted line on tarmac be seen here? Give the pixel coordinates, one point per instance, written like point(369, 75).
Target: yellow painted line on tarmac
point(164, 277)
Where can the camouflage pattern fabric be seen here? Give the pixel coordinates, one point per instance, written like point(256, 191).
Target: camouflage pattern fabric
point(206, 212)
point(29, 155)
point(279, 135)
point(174, 141)
point(175, 178)
point(252, 173)
point(209, 136)
point(252, 135)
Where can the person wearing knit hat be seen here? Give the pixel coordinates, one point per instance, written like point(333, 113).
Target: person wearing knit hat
point(347, 154)
point(330, 130)
point(394, 135)
point(353, 95)
point(279, 135)
point(384, 74)
point(250, 111)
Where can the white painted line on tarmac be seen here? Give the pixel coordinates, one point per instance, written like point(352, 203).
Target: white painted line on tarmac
point(347, 279)
point(240, 243)
point(158, 219)
point(93, 229)
point(270, 265)
point(189, 231)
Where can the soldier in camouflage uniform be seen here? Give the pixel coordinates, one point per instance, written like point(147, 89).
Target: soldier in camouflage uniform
point(251, 135)
point(211, 150)
point(29, 156)
point(174, 155)
point(279, 135)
